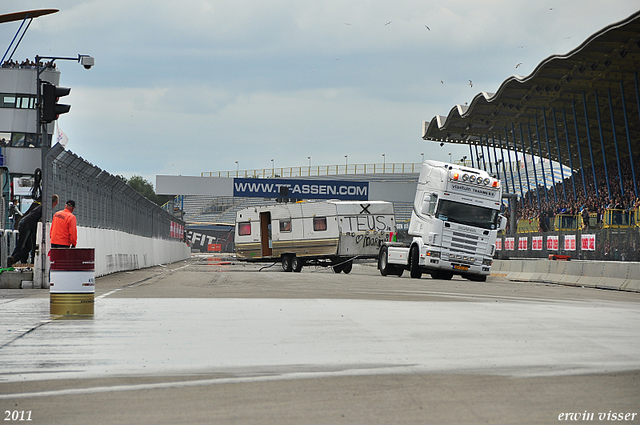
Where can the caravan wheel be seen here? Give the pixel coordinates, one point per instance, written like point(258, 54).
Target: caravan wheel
point(296, 264)
point(286, 263)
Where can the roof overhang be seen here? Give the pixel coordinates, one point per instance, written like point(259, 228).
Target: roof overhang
point(603, 70)
point(28, 14)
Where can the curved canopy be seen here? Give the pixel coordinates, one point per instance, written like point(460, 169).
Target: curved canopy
point(588, 97)
point(20, 16)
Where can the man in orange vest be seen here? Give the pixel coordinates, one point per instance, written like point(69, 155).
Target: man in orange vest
point(63, 227)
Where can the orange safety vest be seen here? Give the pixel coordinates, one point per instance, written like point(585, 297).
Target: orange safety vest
point(63, 228)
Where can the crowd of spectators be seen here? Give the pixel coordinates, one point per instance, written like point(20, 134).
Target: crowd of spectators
point(27, 64)
point(581, 204)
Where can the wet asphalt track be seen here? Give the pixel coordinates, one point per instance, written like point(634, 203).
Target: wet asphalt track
point(202, 340)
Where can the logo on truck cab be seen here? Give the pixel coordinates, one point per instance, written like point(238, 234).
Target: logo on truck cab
point(475, 190)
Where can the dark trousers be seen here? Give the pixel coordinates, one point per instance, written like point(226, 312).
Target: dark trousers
point(24, 245)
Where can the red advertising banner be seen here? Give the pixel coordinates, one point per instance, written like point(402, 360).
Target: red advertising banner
point(176, 230)
point(522, 243)
point(214, 247)
point(499, 245)
point(552, 243)
point(588, 242)
point(569, 242)
point(536, 243)
point(509, 244)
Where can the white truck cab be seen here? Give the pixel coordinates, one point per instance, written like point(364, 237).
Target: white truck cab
point(454, 224)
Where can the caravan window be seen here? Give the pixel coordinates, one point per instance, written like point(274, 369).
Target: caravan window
point(319, 224)
point(244, 229)
point(285, 225)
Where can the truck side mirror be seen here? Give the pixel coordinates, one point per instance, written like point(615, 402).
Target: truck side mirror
point(503, 222)
point(425, 207)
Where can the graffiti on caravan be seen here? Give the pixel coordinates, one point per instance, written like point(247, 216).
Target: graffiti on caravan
point(302, 189)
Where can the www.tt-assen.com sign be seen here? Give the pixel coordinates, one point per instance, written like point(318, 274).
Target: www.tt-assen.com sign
point(302, 189)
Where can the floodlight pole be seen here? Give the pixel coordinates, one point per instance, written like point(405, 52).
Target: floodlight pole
point(45, 197)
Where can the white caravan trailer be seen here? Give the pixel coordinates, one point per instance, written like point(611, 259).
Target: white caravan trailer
point(327, 233)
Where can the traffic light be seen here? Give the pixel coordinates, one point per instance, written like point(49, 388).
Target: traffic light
point(51, 109)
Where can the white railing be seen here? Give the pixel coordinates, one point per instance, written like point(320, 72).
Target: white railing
point(320, 170)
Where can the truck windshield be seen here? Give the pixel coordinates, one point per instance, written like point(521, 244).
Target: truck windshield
point(470, 215)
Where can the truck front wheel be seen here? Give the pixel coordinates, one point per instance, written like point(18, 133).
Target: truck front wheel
point(414, 267)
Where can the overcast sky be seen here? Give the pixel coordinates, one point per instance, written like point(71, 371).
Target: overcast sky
point(191, 86)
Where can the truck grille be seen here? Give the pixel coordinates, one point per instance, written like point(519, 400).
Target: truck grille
point(463, 247)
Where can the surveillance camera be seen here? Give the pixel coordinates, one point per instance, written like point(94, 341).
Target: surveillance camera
point(86, 61)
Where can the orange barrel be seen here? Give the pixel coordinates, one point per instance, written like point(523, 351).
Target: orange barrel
point(72, 283)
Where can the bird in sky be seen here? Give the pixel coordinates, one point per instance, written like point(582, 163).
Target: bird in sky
point(441, 82)
point(427, 28)
point(518, 64)
point(387, 23)
point(346, 23)
point(470, 83)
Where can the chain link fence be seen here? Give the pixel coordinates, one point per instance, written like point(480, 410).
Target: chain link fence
point(103, 200)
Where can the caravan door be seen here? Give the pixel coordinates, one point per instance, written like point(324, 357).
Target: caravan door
point(265, 233)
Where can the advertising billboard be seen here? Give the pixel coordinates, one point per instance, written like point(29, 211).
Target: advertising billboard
point(301, 189)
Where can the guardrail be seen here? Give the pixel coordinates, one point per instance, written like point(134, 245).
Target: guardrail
point(8, 239)
point(612, 219)
point(567, 222)
point(619, 219)
point(528, 226)
point(591, 274)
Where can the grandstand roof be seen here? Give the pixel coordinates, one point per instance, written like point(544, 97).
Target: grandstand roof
point(28, 14)
point(602, 71)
